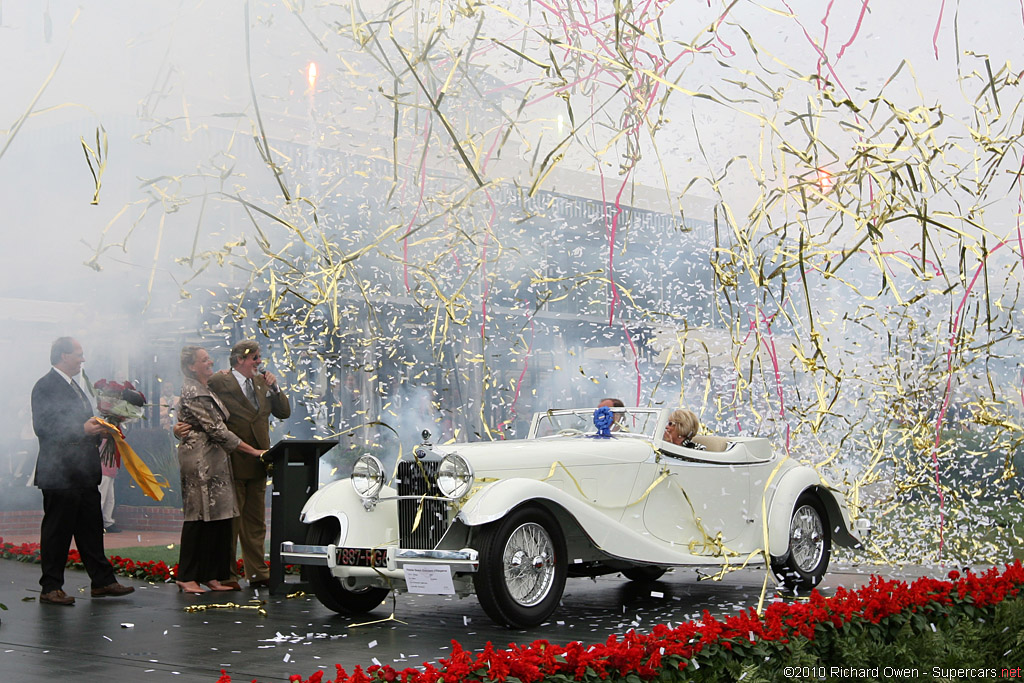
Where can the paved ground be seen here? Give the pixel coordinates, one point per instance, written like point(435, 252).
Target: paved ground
point(150, 635)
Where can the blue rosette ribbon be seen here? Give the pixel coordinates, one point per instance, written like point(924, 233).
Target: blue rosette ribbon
point(603, 419)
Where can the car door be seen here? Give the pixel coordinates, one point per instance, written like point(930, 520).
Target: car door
point(700, 505)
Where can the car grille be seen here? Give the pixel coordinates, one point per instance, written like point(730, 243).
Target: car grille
point(434, 518)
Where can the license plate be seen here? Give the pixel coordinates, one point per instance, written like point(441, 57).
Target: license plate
point(362, 557)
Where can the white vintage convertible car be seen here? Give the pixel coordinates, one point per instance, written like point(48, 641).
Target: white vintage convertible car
point(511, 520)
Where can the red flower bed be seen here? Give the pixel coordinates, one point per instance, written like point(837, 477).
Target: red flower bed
point(123, 566)
point(649, 655)
point(149, 571)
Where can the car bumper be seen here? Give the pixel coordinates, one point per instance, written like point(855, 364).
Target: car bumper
point(460, 561)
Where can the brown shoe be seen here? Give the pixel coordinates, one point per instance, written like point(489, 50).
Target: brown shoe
point(233, 585)
point(57, 597)
point(114, 590)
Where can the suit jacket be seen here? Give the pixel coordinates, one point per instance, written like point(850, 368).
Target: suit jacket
point(68, 458)
point(250, 424)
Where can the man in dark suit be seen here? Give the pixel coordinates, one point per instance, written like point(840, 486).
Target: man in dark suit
point(68, 473)
point(251, 396)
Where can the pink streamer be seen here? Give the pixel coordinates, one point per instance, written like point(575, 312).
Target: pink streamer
point(483, 271)
point(494, 144)
point(519, 383)
point(767, 340)
point(856, 30)
point(946, 397)
point(935, 36)
point(824, 42)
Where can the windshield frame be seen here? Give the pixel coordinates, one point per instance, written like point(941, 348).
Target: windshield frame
point(640, 423)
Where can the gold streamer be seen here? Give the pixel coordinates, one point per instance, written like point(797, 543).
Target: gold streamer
point(258, 607)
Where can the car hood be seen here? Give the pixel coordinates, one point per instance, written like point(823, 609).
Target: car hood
point(531, 454)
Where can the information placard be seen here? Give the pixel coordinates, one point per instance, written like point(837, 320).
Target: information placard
point(433, 579)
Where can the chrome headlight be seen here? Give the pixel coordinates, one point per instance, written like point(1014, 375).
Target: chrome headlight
point(368, 476)
point(454, 476)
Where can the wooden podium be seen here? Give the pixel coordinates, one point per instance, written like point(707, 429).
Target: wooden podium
point(295, 468)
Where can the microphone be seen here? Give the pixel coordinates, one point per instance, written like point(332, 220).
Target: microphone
point(273, 387)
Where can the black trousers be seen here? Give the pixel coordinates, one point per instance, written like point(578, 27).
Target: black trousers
point(205, 553)
point(67, 514)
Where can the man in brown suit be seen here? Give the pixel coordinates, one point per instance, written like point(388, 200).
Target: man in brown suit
point(251, 396)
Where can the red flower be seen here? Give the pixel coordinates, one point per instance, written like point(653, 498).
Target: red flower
point(648, 655)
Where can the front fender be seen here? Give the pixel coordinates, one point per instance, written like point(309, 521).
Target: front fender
point(360, 528)
point(783, 498)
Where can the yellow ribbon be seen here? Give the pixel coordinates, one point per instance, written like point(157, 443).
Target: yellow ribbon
point(558, 464)
point(709, 545)
point(764, 530)
point(133, 463)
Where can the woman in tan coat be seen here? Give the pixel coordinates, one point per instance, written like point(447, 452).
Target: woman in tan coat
point(207, 486)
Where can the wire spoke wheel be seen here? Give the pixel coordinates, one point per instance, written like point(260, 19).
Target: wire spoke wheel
point(522, 567)
point(806, 538)
point(810, 546)
point(529, 561)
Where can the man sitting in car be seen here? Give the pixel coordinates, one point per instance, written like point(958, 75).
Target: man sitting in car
point(612, 404)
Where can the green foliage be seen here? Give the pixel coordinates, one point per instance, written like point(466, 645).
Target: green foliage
point(963, 637)
point(151, 553)
point(958, 636)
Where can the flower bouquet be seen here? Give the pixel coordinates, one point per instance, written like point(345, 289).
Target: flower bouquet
point(117, 402)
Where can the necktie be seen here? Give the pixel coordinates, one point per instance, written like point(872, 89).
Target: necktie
point(81, 395)
point(250, 391)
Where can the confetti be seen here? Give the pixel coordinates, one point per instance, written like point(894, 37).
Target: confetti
point(668, 202)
